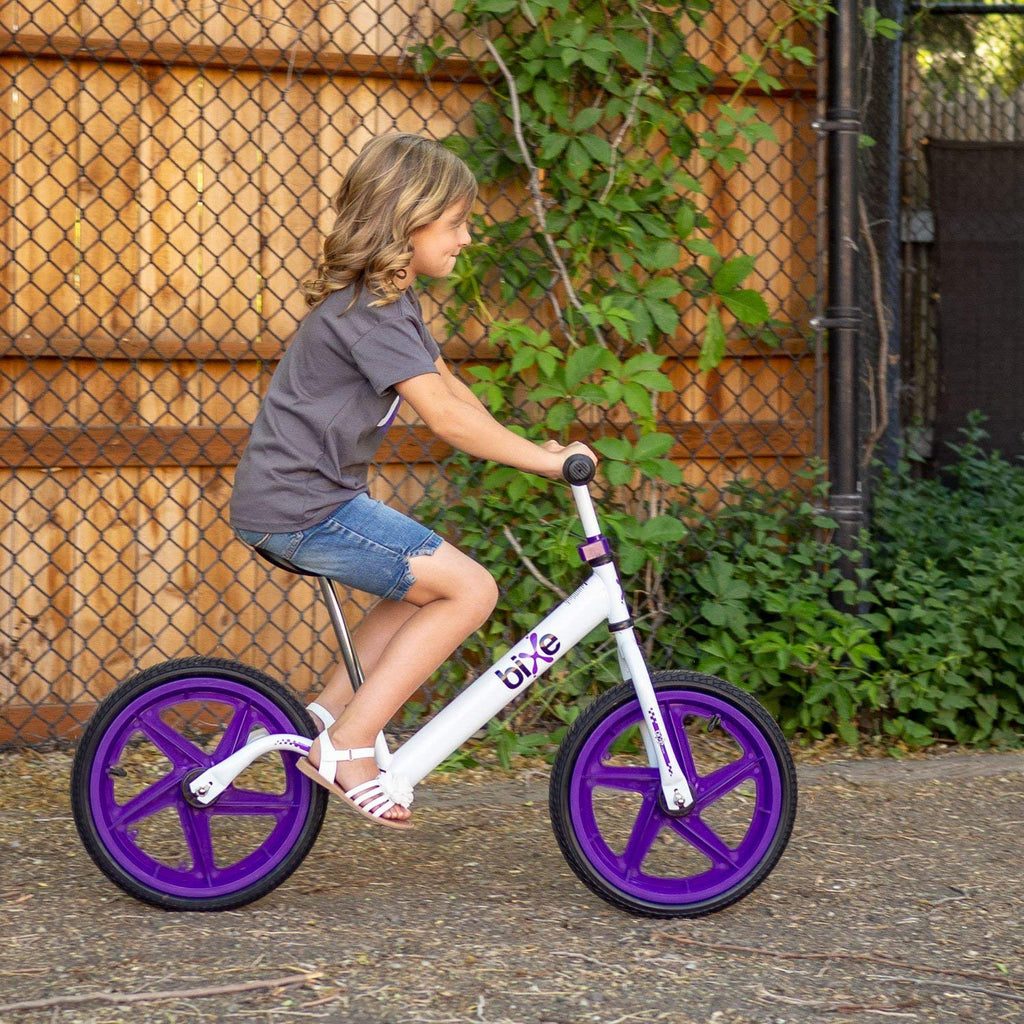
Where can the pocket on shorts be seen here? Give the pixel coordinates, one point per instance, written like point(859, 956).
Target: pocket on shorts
point(253, 538)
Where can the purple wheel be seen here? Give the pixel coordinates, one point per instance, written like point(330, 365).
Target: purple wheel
point(138, 819)
point(618, 835)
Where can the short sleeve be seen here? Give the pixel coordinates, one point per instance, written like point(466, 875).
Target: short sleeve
point(394, 351)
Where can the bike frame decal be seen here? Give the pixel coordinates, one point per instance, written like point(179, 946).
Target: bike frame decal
point(542, 653)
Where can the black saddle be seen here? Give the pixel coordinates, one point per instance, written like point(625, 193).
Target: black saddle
point(283, 563)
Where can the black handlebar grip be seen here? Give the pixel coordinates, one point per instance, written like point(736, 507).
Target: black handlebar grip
point(578, 469)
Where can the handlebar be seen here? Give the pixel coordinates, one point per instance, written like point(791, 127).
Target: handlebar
point(578, 470)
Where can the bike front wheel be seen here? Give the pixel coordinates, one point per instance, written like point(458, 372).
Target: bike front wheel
point(617, 833)
point(134, 810)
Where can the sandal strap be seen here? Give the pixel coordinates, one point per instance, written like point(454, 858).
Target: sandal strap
point(371, 798)
point(318, 710)
point(330, 755)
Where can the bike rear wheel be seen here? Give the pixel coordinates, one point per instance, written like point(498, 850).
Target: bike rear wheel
point(617, 833)
point(130, 798)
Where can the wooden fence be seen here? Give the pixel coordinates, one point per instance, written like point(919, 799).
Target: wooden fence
point(164, 171)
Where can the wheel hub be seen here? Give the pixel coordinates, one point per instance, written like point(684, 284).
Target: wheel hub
point(186, 789)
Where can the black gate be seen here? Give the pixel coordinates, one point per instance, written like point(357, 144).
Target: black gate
point(963, 225)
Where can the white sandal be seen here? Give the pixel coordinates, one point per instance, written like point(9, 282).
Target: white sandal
point(320, 712)
point(327, 720)
point(370, 799)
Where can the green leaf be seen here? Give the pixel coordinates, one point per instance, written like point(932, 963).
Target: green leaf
point(731, 273)
point(663, 256)
point(618, 474)
point(582, 363)
point(746, 305)
point(600, 149)
point(577, 159)
point(662, 530)
point(560, 416)
point(650, 446)
point(553, 145)
point(544, 96)
point(702, 247)
point(664, 315)
point(642, 361)
point(586, 119)
point(662, 288)
point(712, 349)
point(632, 49)
point(617, 448)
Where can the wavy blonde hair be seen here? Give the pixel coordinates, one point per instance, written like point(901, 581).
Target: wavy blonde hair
point(398, 183)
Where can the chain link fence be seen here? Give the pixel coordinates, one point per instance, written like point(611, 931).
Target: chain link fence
point(165, 167)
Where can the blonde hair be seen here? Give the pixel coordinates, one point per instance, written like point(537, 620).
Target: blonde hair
point(398, 183)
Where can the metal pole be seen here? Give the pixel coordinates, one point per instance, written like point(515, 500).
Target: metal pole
point(843, 316)
point(881, 268)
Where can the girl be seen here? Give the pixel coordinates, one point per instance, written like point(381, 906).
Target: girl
point(301, 486)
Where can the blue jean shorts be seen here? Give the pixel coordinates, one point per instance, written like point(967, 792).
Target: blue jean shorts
point(363, 544)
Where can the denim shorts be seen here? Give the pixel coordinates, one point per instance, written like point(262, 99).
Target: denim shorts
point(363, 544)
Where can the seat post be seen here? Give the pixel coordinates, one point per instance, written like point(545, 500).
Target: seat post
point(348, 650)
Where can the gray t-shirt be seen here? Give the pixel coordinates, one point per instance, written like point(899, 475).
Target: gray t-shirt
point(330, 401)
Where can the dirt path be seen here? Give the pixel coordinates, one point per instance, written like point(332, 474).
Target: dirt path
point(899, 899)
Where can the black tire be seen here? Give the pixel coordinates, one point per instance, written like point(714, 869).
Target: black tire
point(129, 787)
point(653, 862)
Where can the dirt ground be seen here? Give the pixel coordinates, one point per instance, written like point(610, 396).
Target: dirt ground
point(899, 898)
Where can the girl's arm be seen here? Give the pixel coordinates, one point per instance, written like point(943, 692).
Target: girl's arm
point(457, 416)
point(456, 386)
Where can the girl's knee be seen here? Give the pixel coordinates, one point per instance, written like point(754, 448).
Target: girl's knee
point(451, 575)
point(484, 591)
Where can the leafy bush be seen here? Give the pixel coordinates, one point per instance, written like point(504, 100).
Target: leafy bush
point(927, 644)
point(948, 560)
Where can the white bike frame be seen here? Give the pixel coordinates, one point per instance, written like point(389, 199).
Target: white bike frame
point(598, 600)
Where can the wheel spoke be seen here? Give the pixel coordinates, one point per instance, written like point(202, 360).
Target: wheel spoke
point(196, 828)
point(724, 780)
point(181, 751)
point(705, 840)
point(633, 778)
point(236, 733)
point(648, 824)
point(252, 801)
point(150, 801)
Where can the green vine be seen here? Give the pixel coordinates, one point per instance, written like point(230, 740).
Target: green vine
point(601, 118)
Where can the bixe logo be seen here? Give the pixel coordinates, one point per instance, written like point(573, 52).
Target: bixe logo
point(526, 664)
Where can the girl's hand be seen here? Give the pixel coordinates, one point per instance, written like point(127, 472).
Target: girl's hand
point(562, 452)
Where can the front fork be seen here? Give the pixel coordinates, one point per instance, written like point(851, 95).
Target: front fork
point(674, 786)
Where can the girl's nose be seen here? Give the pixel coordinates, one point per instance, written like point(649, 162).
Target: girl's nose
point(464, 236)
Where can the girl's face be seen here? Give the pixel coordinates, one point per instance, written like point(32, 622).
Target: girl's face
point(435, 246)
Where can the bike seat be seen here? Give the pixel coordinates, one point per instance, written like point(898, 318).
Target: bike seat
point(283, 563)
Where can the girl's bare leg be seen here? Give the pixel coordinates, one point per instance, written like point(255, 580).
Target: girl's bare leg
point(370, 638)
point(452, 597)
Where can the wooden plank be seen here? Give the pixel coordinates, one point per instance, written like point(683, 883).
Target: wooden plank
point(229, 286)
point(40, 447)
point(26, 724)
point(170, 207)
point(102, 513)
point(293, 149)
point(201, 349)
point(105, 151)
point(35, 584)
point(40, 193)
point(190, 49)
point(11, 279)
point(121, 446)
